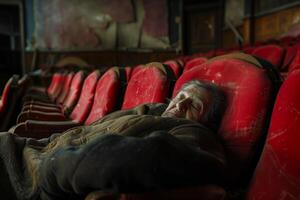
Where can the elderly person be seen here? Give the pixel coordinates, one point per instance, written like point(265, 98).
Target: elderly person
point(148, 148)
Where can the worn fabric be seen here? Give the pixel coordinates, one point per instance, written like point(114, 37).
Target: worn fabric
point(127, 151)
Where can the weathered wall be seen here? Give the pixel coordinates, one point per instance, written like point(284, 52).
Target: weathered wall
point(98, 24)
point(99, 58)
point(268, 26)
point(276, 24)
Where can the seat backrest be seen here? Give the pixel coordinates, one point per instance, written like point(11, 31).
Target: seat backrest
point(73, 93)
point(84, 104)
point(247, 89)
point(53, 83)
point(277, 175)
point(272, 53)
point(136, 69)
point(150, 84)
point(106, 95)
point(65, 88)
point(8, 103)
point(193, 63)
point(6, 93)
point(59, 82)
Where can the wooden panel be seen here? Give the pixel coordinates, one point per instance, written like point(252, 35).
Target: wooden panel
point(276, 24)
point(229, 39)
point(102, 58)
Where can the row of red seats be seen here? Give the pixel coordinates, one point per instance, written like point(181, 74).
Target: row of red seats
point(248, 87)
point(283, 54)
point(100, 95)
point(13, 90)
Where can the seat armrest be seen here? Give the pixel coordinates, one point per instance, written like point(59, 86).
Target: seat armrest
point(33, 107)
point(40, 116)
point(42, 129)
point(40, 103)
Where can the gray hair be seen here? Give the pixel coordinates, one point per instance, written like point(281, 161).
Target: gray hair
point(215, 112)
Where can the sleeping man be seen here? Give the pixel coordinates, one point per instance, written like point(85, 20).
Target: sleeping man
point(149, 148)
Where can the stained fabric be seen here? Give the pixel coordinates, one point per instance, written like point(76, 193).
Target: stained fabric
point(128, 151)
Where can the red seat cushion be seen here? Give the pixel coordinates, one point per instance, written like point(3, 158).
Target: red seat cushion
point(5, 95)
point(74, 91)
point(83, 107)
point(148, 85)
point(65, 88)
point(277, 175)
point(136, 69)
point(58, 84)
point(272, 53)
point(193, 63)
point(106, 95)
point(53, 84)
point(247, 89)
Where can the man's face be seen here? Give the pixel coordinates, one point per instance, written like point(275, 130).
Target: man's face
point(191, 103)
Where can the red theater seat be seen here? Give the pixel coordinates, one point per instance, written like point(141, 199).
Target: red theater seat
point(65, 108)
point(4, 101)
point(248, 92)
point(277, 175)
point(272, 53)
point(84, 104)
point(40, 106)
point(136, 69)
point(193, 63)
point(107, 92)
point(79, 112)
point(150, 84)
point(50, 94)
point(8, 101)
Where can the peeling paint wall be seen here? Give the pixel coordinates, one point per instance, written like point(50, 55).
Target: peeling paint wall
point(100, 24)
point(234, 12)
